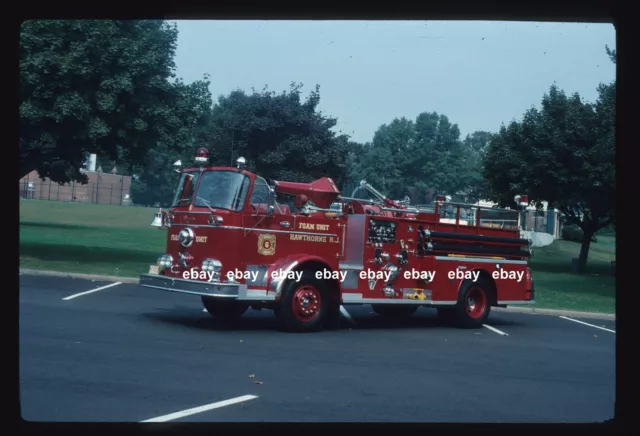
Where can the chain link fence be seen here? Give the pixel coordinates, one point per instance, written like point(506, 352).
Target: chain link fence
point(537, 221)
point(98, 193)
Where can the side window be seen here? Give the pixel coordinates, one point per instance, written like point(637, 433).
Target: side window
point(288, 200)
point(260, 194)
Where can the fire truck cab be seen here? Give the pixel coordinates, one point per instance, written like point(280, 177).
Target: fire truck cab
point(232, 241)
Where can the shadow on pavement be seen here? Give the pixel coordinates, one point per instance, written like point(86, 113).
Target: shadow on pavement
point(265, 320)
point(252, 320)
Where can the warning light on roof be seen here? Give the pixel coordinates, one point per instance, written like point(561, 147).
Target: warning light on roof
point(521, 200)
point(202, 155)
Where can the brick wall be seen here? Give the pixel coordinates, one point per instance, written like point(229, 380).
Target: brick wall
point(102, 188)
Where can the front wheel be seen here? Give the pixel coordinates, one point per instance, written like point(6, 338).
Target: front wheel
point(474, 304)
point(223, 309)
point(304, 304)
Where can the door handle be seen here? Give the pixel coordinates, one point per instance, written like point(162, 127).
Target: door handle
point(285, 224)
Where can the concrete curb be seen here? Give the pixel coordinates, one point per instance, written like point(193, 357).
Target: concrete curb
point(555, 312)
point(94, 277)
point(526, 310)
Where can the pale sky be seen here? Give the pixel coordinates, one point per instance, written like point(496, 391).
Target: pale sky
point(479, 74)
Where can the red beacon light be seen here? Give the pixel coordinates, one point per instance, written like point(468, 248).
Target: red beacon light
point(443, 198)
point(202, 155)
point(521, 200)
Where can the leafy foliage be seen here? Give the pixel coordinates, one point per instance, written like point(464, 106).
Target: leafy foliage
point(95, 86)
point(419, 158)
point(574, 233)
point(562, 153)
point(280, 136)
point(156, 178)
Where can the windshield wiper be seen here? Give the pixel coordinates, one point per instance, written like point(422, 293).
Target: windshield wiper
point(206, 203)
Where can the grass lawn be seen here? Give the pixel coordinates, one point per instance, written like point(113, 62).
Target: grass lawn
point(557, 287)
point(88, 238)
point(117, 240)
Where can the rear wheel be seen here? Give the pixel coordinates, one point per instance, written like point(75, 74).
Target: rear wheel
point(395, 312)
point(224, 309)
point(474, 304)
point(304, 304)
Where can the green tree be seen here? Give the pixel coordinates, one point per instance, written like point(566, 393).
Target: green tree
point(281, 136)
point(475, 147)
point(94, 86)
point(419, 158)
point(380, 164)
point(156, 178)
point(562, 153)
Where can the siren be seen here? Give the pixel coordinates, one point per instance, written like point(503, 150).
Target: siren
point(202, 155)
point(157, 220)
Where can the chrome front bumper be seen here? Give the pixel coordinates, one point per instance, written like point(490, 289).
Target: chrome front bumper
point(193, 287)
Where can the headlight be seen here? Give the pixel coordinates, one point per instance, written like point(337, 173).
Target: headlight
point(186, 237)
point(165, 261)
point(211, 265)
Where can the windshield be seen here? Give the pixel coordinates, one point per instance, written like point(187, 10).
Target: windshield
point(184, 193)
point(222, 190)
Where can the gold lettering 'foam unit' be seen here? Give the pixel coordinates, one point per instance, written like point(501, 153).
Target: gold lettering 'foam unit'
point(313, 226)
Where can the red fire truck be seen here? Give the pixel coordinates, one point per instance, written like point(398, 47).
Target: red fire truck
point(238, 241)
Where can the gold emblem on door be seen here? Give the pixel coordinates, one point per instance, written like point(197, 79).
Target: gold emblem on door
point(266, 244)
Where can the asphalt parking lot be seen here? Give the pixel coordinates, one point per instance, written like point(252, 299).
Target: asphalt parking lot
point(129, 354)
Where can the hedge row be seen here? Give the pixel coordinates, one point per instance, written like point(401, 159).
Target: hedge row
point(574, 233)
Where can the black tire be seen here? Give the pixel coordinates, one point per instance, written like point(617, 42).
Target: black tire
point(223, 309)
point(304, 304)
point(399, 312)
point(474, 304)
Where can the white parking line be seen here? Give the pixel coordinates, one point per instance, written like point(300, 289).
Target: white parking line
point(91, 291)
point(586, 323)
point(346, 314)
point(188, 412)
point(493, 329)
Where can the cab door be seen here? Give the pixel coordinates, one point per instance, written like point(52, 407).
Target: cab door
point(267, 232)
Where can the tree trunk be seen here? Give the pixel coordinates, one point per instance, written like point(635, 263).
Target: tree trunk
point(584, 249)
